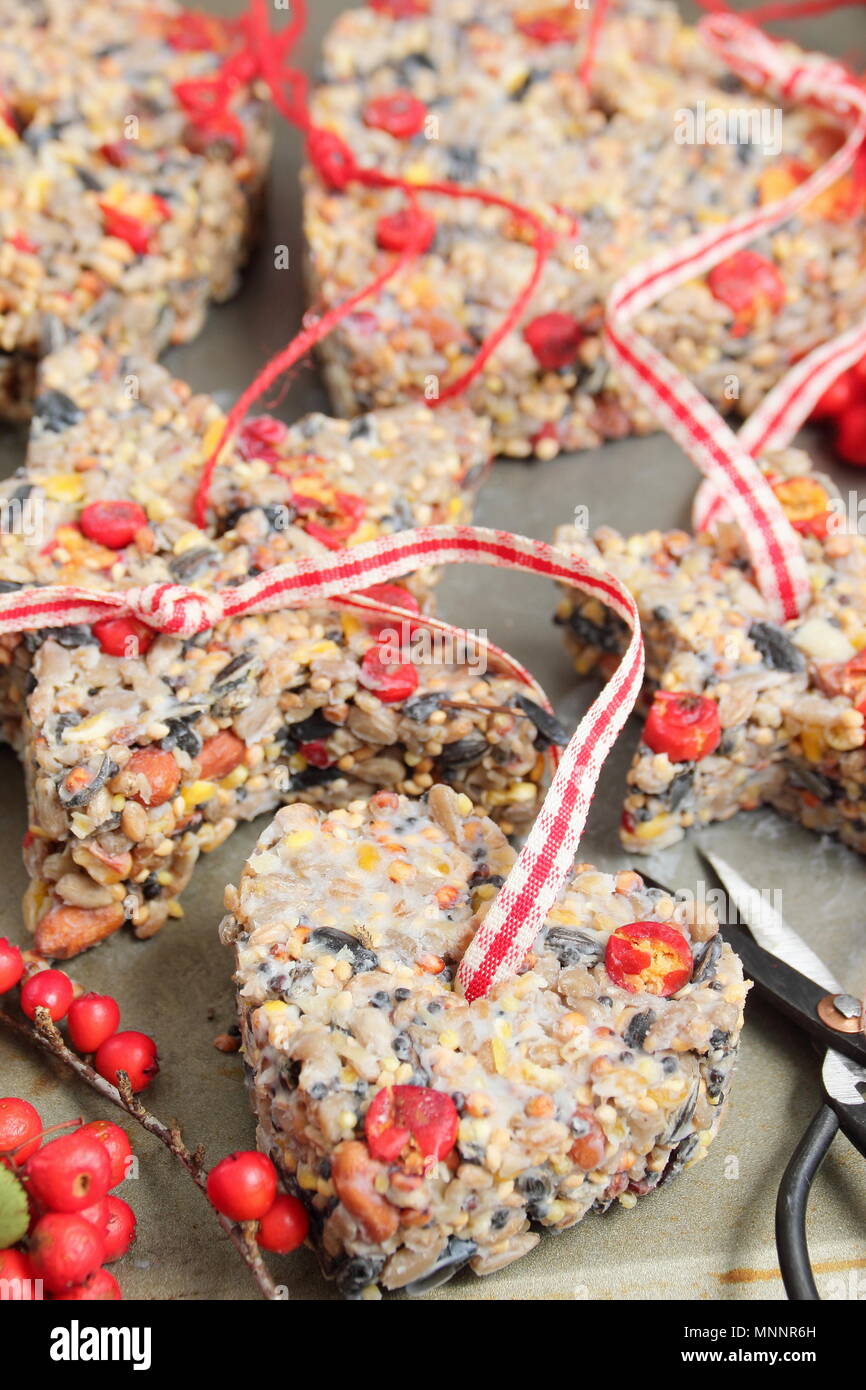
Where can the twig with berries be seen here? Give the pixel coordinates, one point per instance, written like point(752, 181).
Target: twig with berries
point(242, 1187)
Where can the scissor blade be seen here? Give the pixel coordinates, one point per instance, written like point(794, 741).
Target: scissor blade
point(841, 1077)
point(769, 927)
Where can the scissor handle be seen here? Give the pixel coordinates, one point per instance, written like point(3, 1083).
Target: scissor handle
point(791, 1203)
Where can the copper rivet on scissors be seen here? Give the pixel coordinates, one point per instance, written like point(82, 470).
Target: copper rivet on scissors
point(829, 1013)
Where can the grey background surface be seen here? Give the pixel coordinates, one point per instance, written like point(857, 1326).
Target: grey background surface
point(707, 1236)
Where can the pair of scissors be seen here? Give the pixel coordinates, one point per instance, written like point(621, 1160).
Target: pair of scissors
point(788, 973)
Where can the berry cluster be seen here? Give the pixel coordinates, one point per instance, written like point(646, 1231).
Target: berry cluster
point(243, 1187)
point(72, 1223)
point(843, 405)
point(91, 1019)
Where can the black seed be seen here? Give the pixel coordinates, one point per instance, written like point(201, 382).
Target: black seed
point(661, 614)
point(456, 1254)
point(421, 708)
point(85, 794)
point(462, 164)
point(548, 726)
point(150, 888)
point(499, 1218)
point(669, 1065)
point(402, 1047)
point(182, 735)
point(534, 1185)
point(325, 1168)
point(679, 789)
point(356, 1274)
point(718, 1038)
point(573, 947)
point(360, 428)
point(608, 636)
point(318, 1091)
point(401, 994)
point(380, 1000)
point(56, 410)
point(308, 730)
point(776, 649)
point(463, 750)
point(334, 940)
point(89, 180)
point(236, 664)
point(483, 875)
point(706, 960)
point(191, 563)
point(8, 586)
point(638, 1027)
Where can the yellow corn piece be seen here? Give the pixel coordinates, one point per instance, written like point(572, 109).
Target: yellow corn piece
point(368, 857)
point(64, 487)
point(197, 793)
point(297, 839)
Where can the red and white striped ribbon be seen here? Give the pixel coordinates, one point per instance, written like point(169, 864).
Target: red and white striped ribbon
point(545, 861)
point(725, 458)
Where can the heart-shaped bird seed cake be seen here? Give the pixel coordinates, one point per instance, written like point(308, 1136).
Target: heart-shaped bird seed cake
point(424, 1132)
point(745, 711)
point(143, 749)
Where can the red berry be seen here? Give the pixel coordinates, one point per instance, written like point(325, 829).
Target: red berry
point(859, 373)
point(553, 24)
point(684, 726)
point(11, 965)
point(746, 282)
point(20, 1128)
point(836, 398)
point(850, 440)
point(123, 636)
point(395, 596)
point(65, 1249)
point(119, 1230)
point(243, 1185)
point(97, 1215)
point(112, 523)
point(69, 1173)
point(388, 682)
point(400, 114)
point(92, 1018)
point(101, 1285)
point(284, 1226)
point(407, 228)
point(47, 989)
point(416, 1118)
point(116, 1141)
point(316, 753)
point(17, 1277)
point(134, 1053)
point(554, 339)
point(648, 957)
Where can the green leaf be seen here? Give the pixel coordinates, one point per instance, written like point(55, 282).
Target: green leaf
point(14, 1213)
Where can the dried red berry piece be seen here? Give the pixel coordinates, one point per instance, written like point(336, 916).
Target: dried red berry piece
point(221, 128)
point(400, 114)
point(395, 596)
point(408, 228)
point(330, 518)
point(411, 1118)
point(747, 282)
point(684, 726)
point(123, 636)
point(191, 31)
point(806, 504)
point(112, 523)
point(556, 24)
point(648, 957)
point(850, 438)
point(554, 339)
point(316, 753)
point(135, 231)
point(389, 682)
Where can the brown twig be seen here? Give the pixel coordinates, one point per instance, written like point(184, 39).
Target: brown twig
point(46, 1035)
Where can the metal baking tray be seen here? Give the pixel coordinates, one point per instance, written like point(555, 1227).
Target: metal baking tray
point(709, 1235)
